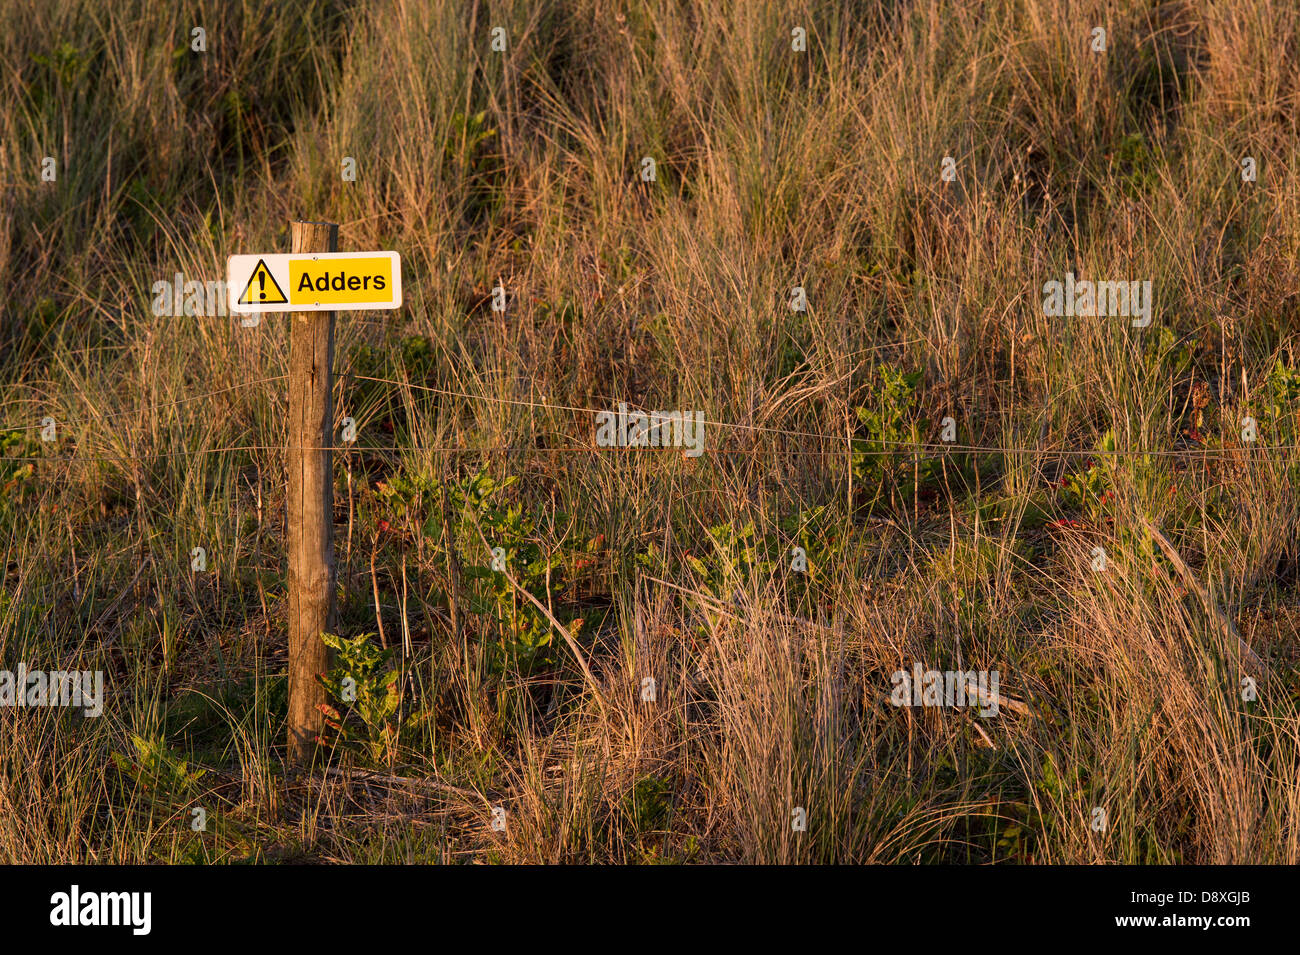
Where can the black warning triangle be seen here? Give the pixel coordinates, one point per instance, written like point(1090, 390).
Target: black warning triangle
point(262, 288)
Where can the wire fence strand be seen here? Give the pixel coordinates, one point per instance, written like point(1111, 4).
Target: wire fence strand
point(845, 443)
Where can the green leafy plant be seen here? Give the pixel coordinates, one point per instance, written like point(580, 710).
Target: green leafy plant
point(157, 769)
point(466, 153)
point(517, 633)
point(66, 63)
point(1090, 491)
point(15, 473)
point(649, 804)
point(882, 462)
point(737, 554)
point(1136, 164)
point(1284, 399)
point(363, 682)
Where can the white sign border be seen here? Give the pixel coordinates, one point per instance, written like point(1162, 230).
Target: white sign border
point(239, 270)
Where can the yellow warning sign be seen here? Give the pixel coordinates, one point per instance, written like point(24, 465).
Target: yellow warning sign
point(314, 281)
point(262, 288)
point(341, 281)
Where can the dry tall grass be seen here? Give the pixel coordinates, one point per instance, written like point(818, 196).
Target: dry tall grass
point(775, 169)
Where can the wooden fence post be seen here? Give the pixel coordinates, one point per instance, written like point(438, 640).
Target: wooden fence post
point(310, 504)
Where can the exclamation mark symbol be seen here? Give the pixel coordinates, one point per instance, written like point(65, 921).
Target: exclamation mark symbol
point(261, 284)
